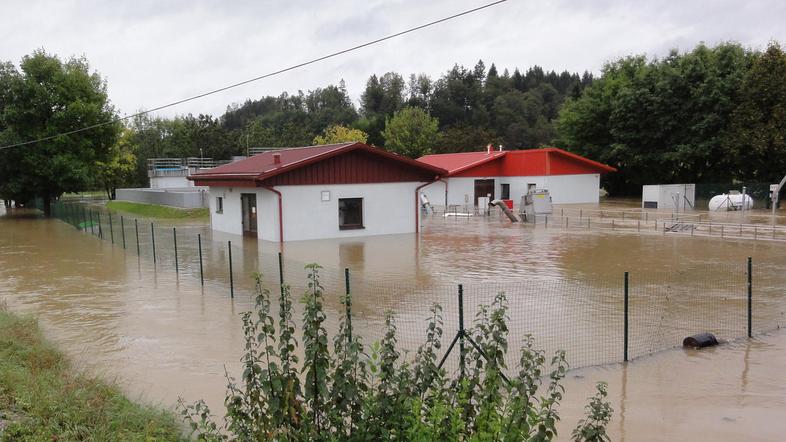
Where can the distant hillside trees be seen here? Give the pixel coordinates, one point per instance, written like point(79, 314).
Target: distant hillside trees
point(45, 97)
point(713, 114)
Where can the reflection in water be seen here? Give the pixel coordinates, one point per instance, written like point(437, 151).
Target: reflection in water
point(164, 335)
point(692, 395)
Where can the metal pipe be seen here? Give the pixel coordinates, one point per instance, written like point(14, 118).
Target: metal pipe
point(136, 228)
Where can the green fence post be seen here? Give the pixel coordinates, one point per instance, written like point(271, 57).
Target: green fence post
point(123, 230)
point(136, 228)
point(231, 280)
point(281, 273)
point(462, 352)
point(750, 297)
point(111, 230)
point(174, 237)
point(153, 239)
point(348, 305)
point(201, 269)
point(625, 338)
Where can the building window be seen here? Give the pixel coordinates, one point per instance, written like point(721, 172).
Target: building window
point(350, 213)
point(219, 204)
point(505, 191)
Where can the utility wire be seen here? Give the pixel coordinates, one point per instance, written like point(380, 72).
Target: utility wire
point(270, 74)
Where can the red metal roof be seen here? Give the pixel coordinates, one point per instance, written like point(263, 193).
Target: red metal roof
point(531, 162)
point(268, 168)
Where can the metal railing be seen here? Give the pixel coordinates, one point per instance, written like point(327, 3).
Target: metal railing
point(168, 167)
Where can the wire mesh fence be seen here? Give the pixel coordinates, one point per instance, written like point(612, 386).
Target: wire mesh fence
point(595, 321)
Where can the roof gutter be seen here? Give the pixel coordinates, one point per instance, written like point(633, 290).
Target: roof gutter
point(280, 214)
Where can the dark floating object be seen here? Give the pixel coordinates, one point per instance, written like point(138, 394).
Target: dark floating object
point(700, 340)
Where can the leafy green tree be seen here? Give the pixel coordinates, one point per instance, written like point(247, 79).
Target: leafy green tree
point(758, 124)
point(659, 121)
point(45, 97)
point(118, 169)
point(340, 134)
point(411, 132)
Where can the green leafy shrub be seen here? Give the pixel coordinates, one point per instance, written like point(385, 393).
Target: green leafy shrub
point(344, 393)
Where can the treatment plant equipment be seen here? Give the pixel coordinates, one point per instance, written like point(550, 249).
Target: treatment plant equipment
point(731, 201)
point(536, 202)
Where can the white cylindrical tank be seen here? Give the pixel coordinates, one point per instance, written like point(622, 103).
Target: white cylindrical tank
point(722, 203)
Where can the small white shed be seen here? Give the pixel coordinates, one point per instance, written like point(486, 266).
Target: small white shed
point(679, 197)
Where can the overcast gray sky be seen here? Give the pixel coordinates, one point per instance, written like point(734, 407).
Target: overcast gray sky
point(156, 51)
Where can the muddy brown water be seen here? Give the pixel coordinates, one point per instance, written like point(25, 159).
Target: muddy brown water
point(161, 334)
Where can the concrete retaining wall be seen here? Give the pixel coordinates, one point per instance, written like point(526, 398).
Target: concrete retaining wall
point(188, 198)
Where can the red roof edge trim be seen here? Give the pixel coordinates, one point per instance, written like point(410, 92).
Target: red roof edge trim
point(493, 156)
point(577, 157)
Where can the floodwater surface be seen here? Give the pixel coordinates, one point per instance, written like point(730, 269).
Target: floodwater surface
point(152, 326)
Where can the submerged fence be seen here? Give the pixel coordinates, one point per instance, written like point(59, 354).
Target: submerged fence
point(612, 318)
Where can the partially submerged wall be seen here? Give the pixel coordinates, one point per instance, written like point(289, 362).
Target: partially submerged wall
point(188, 198)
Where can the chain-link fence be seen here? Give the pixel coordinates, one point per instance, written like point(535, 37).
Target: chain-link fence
point(595, 322)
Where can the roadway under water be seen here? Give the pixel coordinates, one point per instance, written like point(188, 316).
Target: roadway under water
point(161, 334)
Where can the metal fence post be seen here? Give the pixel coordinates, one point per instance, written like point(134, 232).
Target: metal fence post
point(123, 230)
point(348, 305)
point(462, 351)
point(201, 269)
point(136, 228)
point(281, 273)
point(625, 339)
point(750, 297)
point(92, 231)
point(100, 232)
point(174, 237)
point(231, 280)
point(153, 238)
point(111, 230)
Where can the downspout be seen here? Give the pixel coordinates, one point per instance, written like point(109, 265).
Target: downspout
point(446, 191)
point(417, 202)
point(280, 214)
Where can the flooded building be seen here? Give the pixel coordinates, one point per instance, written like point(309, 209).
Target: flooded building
point(329, 191)
point(509, 175)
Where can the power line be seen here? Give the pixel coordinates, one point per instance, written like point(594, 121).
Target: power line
point(270, 74)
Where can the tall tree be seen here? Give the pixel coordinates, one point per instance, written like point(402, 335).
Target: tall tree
point(411, 132)
point(45, 97)
point(118, 169)
point(758, 124)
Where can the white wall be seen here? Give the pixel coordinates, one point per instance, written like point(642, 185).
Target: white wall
point(564, 189)
point(388, 208)
point(230, 220)
point(170, 182)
